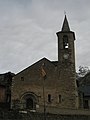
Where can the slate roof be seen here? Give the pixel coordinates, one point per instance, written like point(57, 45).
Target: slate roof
point(65, 26)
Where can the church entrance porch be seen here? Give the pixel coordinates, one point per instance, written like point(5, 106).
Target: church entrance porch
point(29, 101)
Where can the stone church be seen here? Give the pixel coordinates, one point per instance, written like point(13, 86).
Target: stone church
point(49, 84)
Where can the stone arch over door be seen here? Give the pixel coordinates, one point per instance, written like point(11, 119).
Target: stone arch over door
point(29, 100)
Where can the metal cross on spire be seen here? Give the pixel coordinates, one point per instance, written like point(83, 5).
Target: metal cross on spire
point(64, 12)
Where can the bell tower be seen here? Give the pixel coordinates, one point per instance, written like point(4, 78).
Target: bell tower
point(66, 67)
point(66, 39)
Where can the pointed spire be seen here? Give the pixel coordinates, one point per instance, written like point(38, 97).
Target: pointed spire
point(65, 26)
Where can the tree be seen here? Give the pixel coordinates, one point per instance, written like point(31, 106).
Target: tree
point(83, 70)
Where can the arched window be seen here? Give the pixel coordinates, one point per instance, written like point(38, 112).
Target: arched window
point(65, 42)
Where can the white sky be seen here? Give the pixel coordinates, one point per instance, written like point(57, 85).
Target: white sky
point(28, 31)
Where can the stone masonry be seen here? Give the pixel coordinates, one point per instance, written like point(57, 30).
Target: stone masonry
point(49, 83)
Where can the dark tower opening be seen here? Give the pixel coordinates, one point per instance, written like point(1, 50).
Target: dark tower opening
point(65, 42)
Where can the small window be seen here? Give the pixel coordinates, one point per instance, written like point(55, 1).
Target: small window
point(49, 98)
point(60, 100)
point(22, 78)
point(65, 42)
point(86, 104)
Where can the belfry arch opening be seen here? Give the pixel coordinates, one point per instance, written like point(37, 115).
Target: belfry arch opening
point(65, 42)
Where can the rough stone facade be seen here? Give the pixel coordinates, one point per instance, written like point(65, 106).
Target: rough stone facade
point(2, 94)
point(5, 89)
point(49, 83)
point(15, 115)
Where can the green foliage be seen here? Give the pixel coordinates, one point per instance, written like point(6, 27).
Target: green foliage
point(83, 70)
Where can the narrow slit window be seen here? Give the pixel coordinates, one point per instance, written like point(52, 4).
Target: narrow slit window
point(49, 98)
point(65, 42)
point(60, 99)
point(22, 78)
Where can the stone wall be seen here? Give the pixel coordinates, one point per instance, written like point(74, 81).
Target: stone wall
point(15, 115)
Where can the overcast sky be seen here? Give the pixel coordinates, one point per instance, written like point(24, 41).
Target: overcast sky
point(28, 31)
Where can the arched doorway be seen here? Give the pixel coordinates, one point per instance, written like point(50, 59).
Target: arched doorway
point(29, 101)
